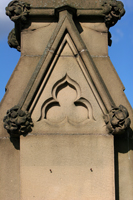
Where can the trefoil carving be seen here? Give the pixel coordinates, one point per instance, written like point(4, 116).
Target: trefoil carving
point(54, 101)
point(117, 120)
point(17, 122)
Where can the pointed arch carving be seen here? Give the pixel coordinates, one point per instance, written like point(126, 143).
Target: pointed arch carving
point(66, 23)
point(54, 101)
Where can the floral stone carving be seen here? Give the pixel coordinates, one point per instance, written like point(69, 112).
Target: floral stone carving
point(17, 122)
point(113, 11)
point(17, 10)
point(12, 40)
point(117, 120)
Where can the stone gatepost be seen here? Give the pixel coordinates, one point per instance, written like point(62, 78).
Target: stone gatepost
point(69, 122)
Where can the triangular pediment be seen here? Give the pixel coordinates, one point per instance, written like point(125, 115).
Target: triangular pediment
point(66, 71)
point(66, 96)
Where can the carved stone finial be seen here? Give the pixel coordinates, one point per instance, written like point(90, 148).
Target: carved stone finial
point(117, 120)
point(17, 10)
point(12, 40)
point(17, 122)
point(113, 11)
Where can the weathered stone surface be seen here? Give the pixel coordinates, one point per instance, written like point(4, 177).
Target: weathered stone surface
point(73, 3)
point(95, 36)
point(67, 167)
point(113, 82)
point(35, 38)
point(23, 70)
point(9, 170)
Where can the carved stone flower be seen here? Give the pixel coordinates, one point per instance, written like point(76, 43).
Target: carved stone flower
point(117, 120)
point(113, 11)
point(17, 122)
point(17, 10)
point(12, 40)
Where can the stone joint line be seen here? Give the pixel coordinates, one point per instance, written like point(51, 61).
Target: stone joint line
point(52, 51)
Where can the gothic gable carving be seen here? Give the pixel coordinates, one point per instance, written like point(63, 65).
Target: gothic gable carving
point(64, 26)
point(66, 53)
point(67, 97)
point(67, 104)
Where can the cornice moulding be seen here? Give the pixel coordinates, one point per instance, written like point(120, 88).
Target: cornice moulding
point(22, 12)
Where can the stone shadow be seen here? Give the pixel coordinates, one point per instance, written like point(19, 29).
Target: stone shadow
point(122, 144)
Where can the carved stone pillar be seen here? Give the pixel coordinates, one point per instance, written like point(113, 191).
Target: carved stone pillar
point(71, 116)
